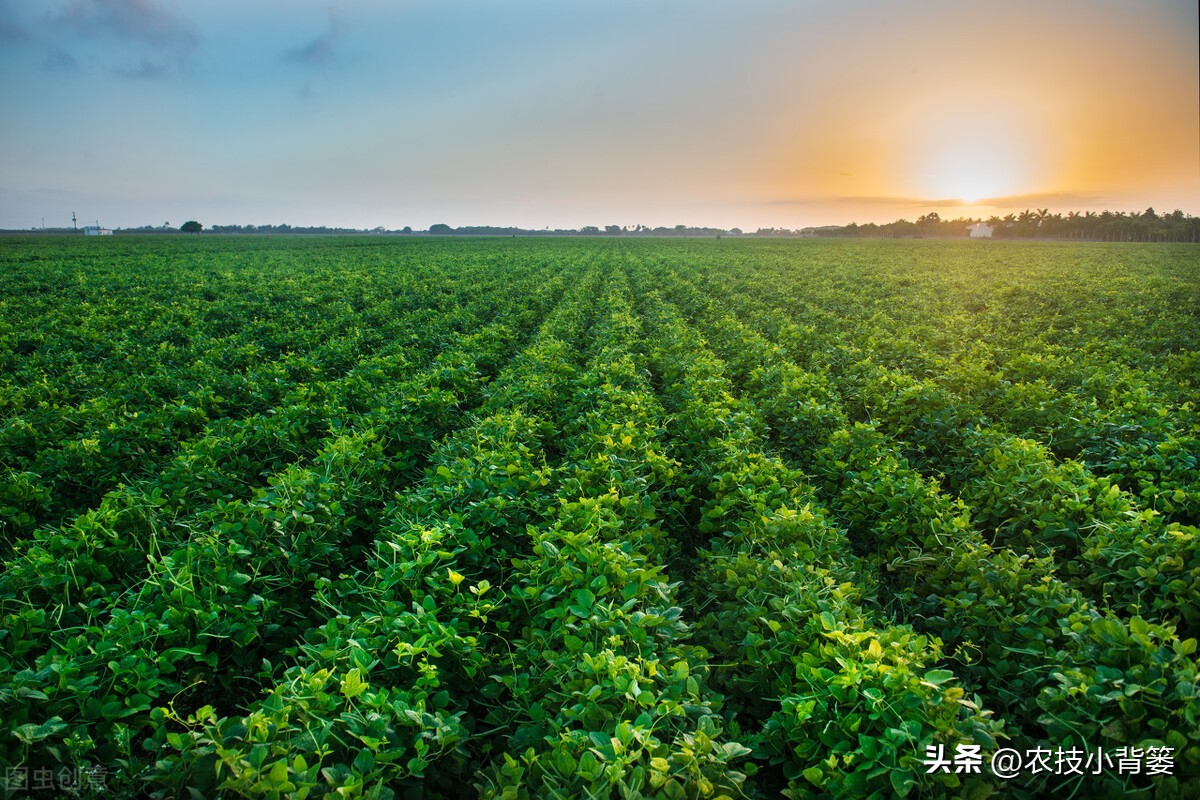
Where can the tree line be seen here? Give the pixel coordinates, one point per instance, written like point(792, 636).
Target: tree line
point(1106, 226)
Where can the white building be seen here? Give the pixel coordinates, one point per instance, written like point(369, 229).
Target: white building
point(96, 230)
point(980, 230)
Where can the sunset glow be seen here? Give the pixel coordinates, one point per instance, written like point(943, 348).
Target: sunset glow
point(974, 154)
point(546, 114)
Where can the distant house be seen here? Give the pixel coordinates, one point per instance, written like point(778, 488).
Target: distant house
point(96, 230)
point(980, 230)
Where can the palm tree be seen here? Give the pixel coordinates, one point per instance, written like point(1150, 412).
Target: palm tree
point(1073, 227)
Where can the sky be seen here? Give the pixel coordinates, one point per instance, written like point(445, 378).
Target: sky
point(759, 113)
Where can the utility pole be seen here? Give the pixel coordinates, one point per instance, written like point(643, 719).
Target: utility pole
point(73, 225)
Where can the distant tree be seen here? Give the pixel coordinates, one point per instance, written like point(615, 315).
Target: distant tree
point(928, 223)
point(1119, 226)
point(589, 230)
point(613, 230)
point(191, 226)
point(440, 229)
point(1027, 223)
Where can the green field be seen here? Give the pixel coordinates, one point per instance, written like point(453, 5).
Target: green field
point(530, 518)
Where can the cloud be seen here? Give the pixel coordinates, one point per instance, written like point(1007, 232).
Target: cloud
point(322, 50)
point(865, 200)
point(59, 60)
point(11, 32)
point(145, 21)
point(1022, 201)
point(1044, 200)
point(137, 39)
point(145, 69)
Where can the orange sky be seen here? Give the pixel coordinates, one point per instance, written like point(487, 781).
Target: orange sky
point(1060, 105)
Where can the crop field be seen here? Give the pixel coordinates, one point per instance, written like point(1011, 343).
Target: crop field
point(540, 518)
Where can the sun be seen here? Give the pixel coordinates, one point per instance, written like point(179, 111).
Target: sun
point(972, 158)
point(975, 168)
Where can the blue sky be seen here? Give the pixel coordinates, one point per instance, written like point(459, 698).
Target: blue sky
point(573, 113)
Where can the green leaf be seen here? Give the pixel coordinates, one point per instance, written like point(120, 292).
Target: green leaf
point(902, 782)
point(364, 762)
point(30, 732)
point(353, 685)
point(938, 676)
